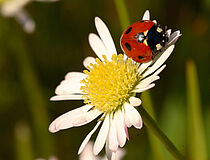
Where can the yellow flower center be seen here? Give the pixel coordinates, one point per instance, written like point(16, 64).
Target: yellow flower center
point(109, 84)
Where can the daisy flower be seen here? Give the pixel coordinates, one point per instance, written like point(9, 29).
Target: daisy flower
point(15, 8)
point(108, 88)
point(87, 153)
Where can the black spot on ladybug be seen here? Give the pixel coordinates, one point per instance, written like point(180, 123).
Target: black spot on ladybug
point(128, 46)
point(128, 30)
point(140, 57)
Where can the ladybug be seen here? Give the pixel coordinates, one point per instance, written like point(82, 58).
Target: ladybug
point(142, 40)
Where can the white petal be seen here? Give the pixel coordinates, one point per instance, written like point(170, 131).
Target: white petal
point(11, 8)
point(106, 37)
point(147, 81)
point(173, 38)
point(133, 116)
point(76, 117)
point(160, 60)
point(71, 84)
point(125, 57)
point(113, 156)
point(113, 142)
point(144, 66)
point(144, 89)
point(86, 118)
point(67, 97)
point(155, 22)
point(103, 158)
point(108, 151)
point(160, 69)
point(87, 153)
point(127, 122)
point(98, 46)
point(146, 15)
point(119, 125)
point(87, 138)
point(69, 87)
point(135, 101)
point(52, 158)
point(88, 60)
point(78, 76)
point(168, 32)
point(25, 21)
point(71, 114)
point(126, 130)
point(120, 154)
point(102, 135)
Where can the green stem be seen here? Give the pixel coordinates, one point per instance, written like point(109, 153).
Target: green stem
point(122, 13)
point(23, 139)
point(156, 146)
point(151, 124)
point(34, 95)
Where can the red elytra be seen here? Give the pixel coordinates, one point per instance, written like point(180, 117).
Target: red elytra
point(143, 39)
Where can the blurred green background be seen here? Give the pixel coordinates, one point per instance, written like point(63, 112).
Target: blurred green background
point(32, 65)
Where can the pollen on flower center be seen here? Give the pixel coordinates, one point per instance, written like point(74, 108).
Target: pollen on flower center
point(109, 84)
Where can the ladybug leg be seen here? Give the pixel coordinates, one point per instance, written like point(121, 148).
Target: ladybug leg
point(154, 51)
point(165, 28)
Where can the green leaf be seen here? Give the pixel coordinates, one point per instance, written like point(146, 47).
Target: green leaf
point(122, 13)
point(23, 143)
point(196, 136)
point(34, 94)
